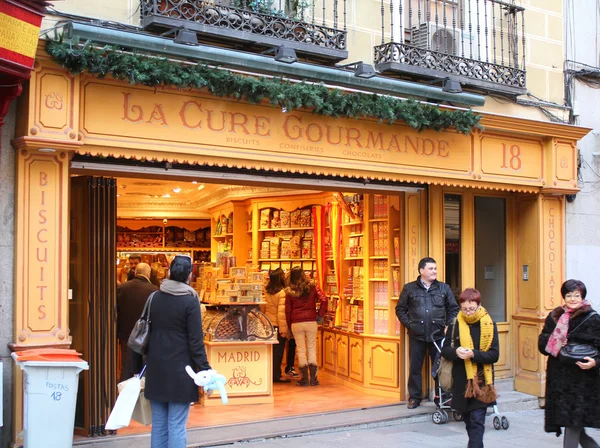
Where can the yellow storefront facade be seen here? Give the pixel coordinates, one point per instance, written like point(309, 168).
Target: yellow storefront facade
point(529, 165)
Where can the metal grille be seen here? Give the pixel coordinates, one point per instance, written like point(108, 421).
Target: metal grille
point(480, 42)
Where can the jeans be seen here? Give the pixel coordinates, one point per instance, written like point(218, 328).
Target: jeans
point(291, 354)
point(417, 356)
point(305, 334)
point(278, 356)
point(475, 423)
point(576, 435)
point(168, 424)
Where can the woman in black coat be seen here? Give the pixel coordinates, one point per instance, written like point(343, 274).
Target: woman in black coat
point(176, 340)
point(473, 347)
point(572, 390)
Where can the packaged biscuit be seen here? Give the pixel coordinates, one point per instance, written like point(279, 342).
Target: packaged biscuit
point(265, 218)
point(295, 250)
point(286, 249)
point(285, 218)
point(295, 218)
point(306, 248)
point(305, 215)
point(275, 220)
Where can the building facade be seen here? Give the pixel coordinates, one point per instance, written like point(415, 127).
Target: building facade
point(193, 90)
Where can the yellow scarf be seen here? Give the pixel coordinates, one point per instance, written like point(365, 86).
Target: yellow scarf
point(487, 394)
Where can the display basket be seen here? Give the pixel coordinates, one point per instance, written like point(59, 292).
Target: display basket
point(233, 323)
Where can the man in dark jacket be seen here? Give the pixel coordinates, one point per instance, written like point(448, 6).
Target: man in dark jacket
point(425, 308)
point(131, 298)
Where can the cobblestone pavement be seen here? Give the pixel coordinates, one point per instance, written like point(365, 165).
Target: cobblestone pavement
point(526, 430)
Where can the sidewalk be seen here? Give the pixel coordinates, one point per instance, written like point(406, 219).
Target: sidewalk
point(526, 430)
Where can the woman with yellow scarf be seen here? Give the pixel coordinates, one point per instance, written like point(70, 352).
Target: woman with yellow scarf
point(474, 348)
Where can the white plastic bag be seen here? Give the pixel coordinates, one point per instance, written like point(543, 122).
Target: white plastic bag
point(120, 417)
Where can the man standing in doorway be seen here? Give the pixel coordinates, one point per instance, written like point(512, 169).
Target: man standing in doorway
point(131, 298)
point(425, 308)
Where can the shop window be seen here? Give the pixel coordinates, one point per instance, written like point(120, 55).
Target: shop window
point(490, 254)
point(452, 215)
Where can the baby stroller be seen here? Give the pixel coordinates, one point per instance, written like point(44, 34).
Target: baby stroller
point(445, 398)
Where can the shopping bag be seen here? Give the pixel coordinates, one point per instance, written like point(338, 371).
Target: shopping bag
point(142, 413)
point(120, 416)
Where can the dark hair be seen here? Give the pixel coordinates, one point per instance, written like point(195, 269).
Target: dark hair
point(135, 257)
point(298, 281)
point(180, 269)
point(470, 295)
point(573, 285)
point(424, 261)
point(276, 281)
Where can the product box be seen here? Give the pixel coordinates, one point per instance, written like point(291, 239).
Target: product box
point(286, 249)
point(285, 219)
point(265, 218)
point(295, 218)
point(238, 273)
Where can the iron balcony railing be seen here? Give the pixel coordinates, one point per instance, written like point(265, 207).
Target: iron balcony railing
point(480, 43)
point(316, 29)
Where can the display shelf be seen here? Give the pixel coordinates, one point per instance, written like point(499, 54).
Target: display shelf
point(223, 235)
point(378, 220)
point(354, 258)
point(378, 279)
point(378, 257)
point(284, 228)
point(287, 259)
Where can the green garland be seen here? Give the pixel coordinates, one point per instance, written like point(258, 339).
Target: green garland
point(161, 72)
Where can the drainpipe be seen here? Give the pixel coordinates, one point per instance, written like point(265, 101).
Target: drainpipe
point(266, 65)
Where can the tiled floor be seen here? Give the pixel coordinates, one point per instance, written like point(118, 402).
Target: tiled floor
point(290, 400)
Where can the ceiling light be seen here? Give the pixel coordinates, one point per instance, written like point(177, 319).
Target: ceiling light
point(201, 187)
point(176, 190)
point(47, 150)
point(166, 195)
point(118, 195)
point(194, 182)
point(286, 55)
point(186, 37)
point(364, 71)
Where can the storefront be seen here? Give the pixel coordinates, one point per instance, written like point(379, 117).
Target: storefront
point(488, 206)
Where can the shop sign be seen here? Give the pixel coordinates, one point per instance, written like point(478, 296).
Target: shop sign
point(552, 250)
point(244, 367)
point(19, 33)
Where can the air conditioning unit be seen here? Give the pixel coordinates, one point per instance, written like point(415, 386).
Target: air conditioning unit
point(436, 37)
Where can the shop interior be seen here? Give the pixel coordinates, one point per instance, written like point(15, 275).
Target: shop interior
point(228, 227)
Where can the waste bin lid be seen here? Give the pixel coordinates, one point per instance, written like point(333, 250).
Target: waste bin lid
point(48, 355)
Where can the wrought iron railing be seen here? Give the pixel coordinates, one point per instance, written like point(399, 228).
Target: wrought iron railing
point(312, 27)
point(477, 42)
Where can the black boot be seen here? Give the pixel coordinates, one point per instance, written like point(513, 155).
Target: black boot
point(313, 375)
point(304, 380)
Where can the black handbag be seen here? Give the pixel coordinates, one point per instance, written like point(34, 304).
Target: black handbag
point(574, 352)
point(140, 335)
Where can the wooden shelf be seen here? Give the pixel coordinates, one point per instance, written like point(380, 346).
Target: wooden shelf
point(380, 307)
point(378, 279)
point(286, 228)
point(353, 235)
point(286, 259)
point(223, 235)
point(395, 298)
point(395, 265)
point(353, 258)
point(378, 257)
point(347, 224)
point(378, 219)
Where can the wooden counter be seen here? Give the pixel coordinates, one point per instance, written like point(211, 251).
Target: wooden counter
point(247, 367)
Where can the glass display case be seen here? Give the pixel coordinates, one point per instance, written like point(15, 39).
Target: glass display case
point(236, 322)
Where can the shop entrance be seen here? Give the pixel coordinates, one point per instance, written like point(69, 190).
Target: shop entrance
point(254, 220)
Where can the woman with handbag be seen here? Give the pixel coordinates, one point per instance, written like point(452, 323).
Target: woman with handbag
point(473, 348)
point(301, 316)
point(572, 382)
point(176, 340)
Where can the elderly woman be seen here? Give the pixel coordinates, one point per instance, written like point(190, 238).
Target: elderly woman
point(572, 389)
point(473, 348)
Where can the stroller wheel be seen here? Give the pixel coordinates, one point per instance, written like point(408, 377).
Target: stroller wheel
point(497, 424)
point(439, 417)
point(457, 416)
point(504, 423)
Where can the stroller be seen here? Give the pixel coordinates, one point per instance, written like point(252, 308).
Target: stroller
point(445, 399)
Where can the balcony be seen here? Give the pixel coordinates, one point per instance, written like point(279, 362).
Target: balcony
point(480, 43)
point(311, 28)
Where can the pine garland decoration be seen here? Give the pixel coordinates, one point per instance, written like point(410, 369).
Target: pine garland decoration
point(135, 68)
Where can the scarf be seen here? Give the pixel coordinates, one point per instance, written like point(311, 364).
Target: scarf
point(560, 333)
point(176, 288)
point(487, 393)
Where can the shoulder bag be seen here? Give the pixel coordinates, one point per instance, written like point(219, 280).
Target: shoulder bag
point(444, 372)
point(140, 335)
point(574, 352)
